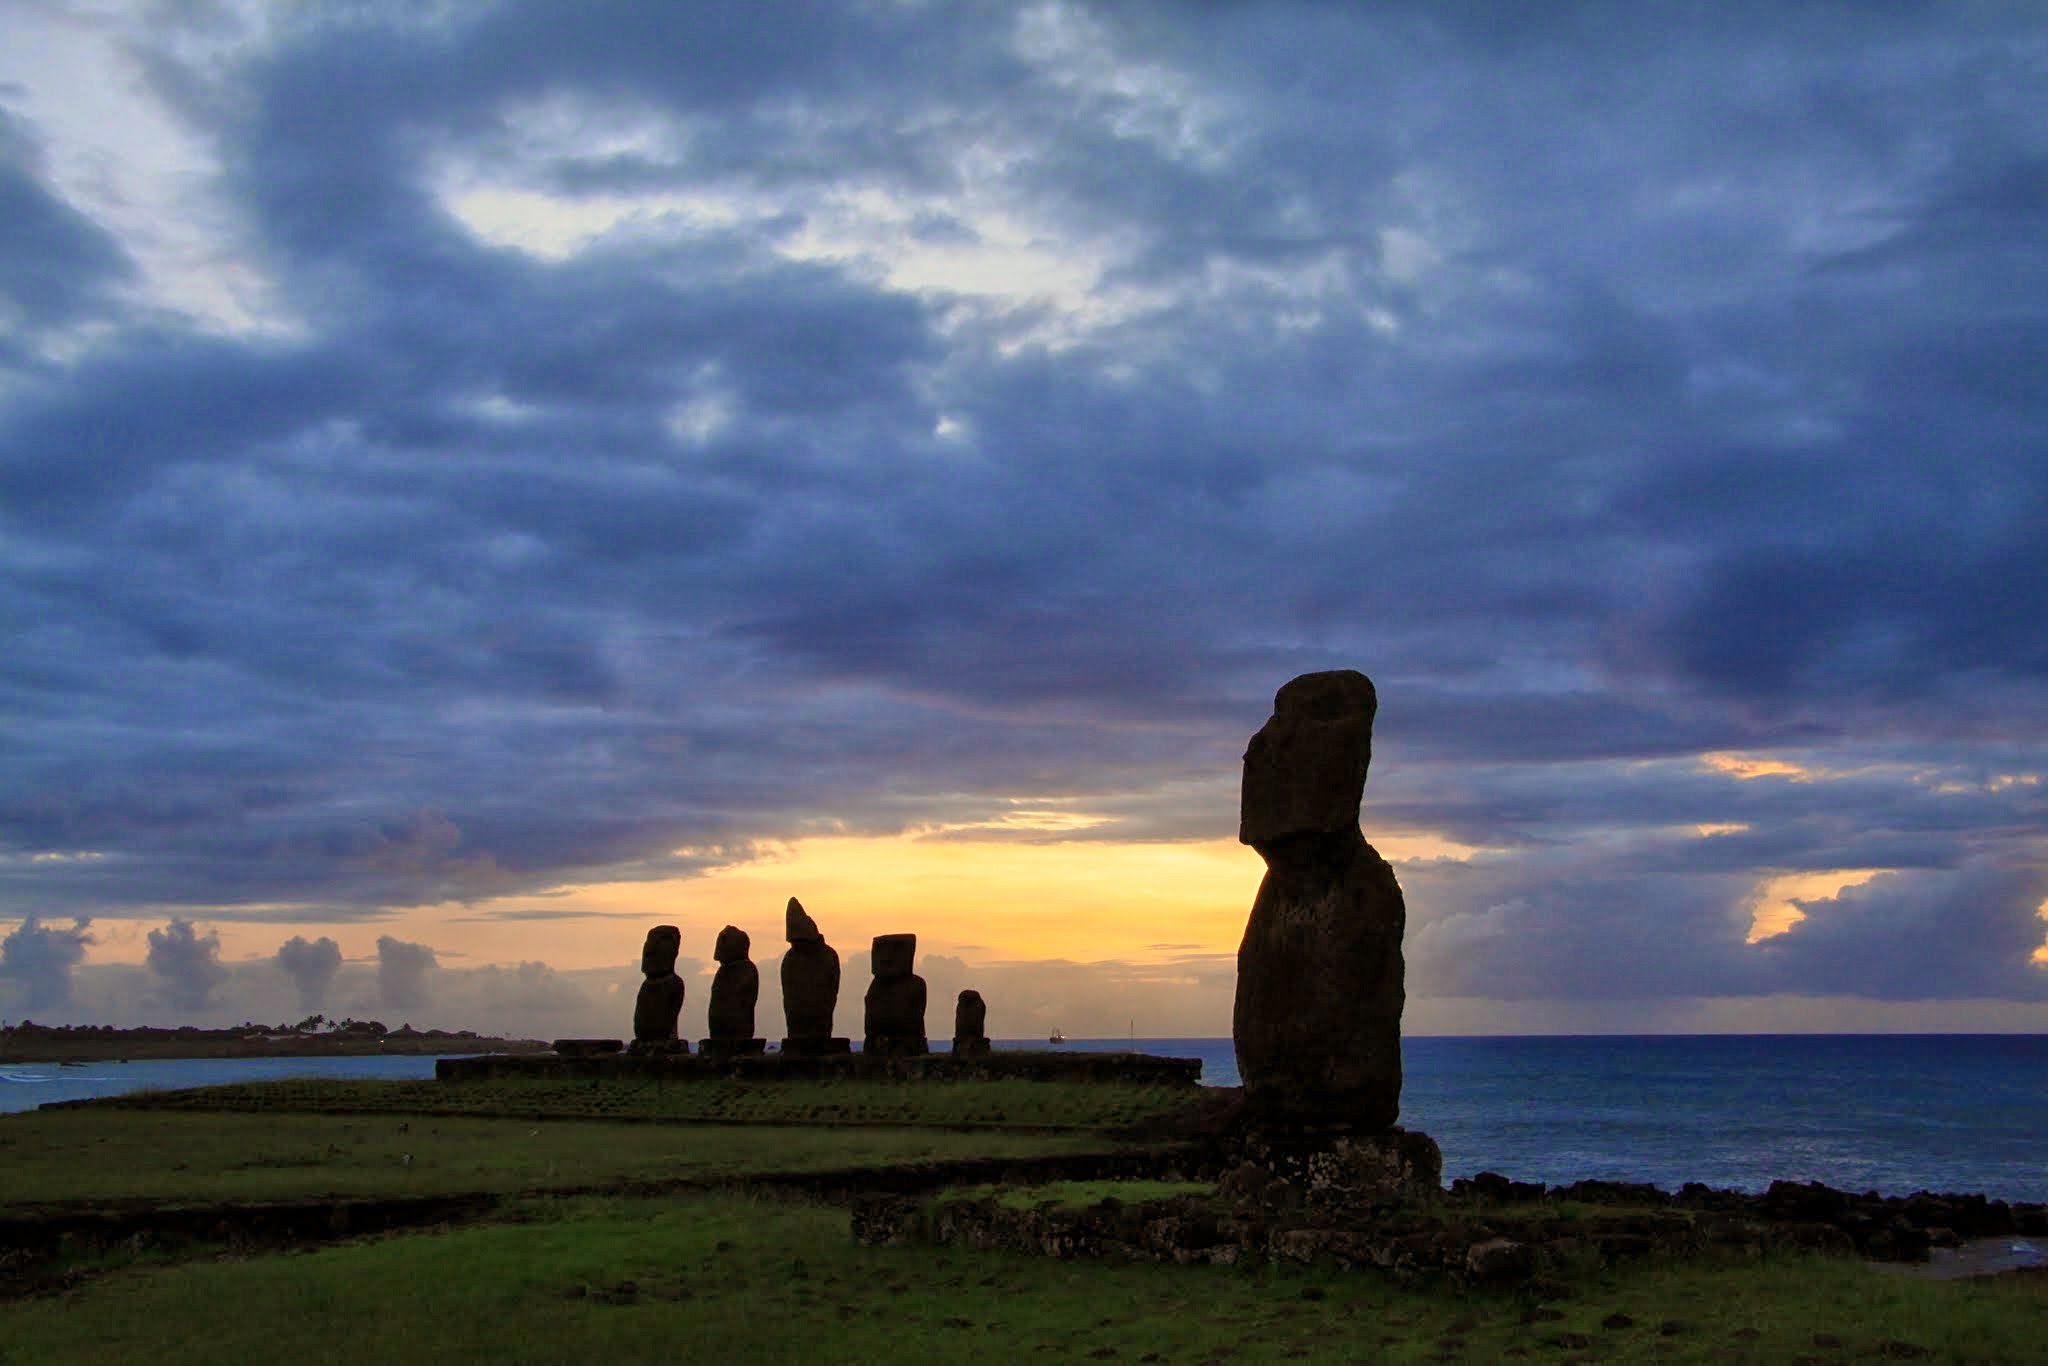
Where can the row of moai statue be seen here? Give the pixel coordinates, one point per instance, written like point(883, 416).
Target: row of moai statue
point(895, 1005)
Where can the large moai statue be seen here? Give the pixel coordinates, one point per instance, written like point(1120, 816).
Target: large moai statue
point(1319, 976)
point(734, 991)
point(810, 987)
point(970, 1026)
point(894, 1023)
point(661, 995)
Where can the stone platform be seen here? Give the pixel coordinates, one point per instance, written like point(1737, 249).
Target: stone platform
point(1023, 1065)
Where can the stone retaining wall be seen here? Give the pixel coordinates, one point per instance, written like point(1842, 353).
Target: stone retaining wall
point(1127, 1068)
point(1487, 1229)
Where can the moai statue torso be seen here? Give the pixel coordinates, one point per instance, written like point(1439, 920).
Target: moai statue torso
point(970, 1025)
point(1317, 1022)
point(895, 999)
point(734, 991)
point(810, 981)
point(661, 995)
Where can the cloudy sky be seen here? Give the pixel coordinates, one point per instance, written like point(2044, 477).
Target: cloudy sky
point(479, 479)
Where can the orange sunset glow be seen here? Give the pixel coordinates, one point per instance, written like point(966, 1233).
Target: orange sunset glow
point(991, 900)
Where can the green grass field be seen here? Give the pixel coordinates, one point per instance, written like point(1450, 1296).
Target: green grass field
point(732, 1279)
point(95, 1155)
point(738, 1277)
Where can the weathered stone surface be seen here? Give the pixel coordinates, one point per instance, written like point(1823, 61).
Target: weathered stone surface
point(586, 1048)
point(1317, 1022)
point(1122, 1069)
point(894, 1015)
point(1321, 1170)
point(810, 985)
point(1500, 1259)
point(894, 955)
point(661, 995)
point(734, 990)
point(970, 1025)
point(1304, 772)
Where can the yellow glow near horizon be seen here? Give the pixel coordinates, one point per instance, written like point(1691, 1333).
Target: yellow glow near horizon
point(961, 892)
point(1771, 909)
point(2041, 954)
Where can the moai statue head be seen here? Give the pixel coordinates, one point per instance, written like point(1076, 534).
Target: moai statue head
point(1304, 772)
point(895, 955)
point(732, 945)
point(658, 953)
point(798, 927)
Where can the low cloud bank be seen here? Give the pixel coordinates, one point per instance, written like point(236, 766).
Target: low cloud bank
point(186, 965)
point(311, 965)
point(39, 960)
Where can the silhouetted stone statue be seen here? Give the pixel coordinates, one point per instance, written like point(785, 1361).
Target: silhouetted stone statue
point(895, 1000)
point(734, 991)
point(970, 1025)
point(1319, 976)
point(810, 986)
point(661, 995)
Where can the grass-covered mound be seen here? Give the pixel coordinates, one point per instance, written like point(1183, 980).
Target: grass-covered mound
point(660, 1264)
point(722, 1278)
point(76, 1156)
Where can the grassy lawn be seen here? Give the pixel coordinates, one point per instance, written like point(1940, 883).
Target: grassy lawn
point(1020, 1104)
point(725, 1278)
point(626, 1278)
point(1075, 1193)
point(65, 1156)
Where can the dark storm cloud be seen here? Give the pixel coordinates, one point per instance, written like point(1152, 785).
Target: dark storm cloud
point(57, 266)
point(1921, 936)
point(1614, 385)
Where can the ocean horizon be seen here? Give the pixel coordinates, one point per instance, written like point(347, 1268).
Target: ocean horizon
point(1893, 1113)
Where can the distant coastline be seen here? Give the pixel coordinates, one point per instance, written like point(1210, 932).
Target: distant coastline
point(29, 1043)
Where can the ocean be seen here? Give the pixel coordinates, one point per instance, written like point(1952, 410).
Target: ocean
point(1892, 1113)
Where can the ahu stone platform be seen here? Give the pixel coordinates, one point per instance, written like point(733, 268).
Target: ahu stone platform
point(1023, 1065)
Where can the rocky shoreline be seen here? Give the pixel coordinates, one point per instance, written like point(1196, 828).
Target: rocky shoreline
point(1485, 1228)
